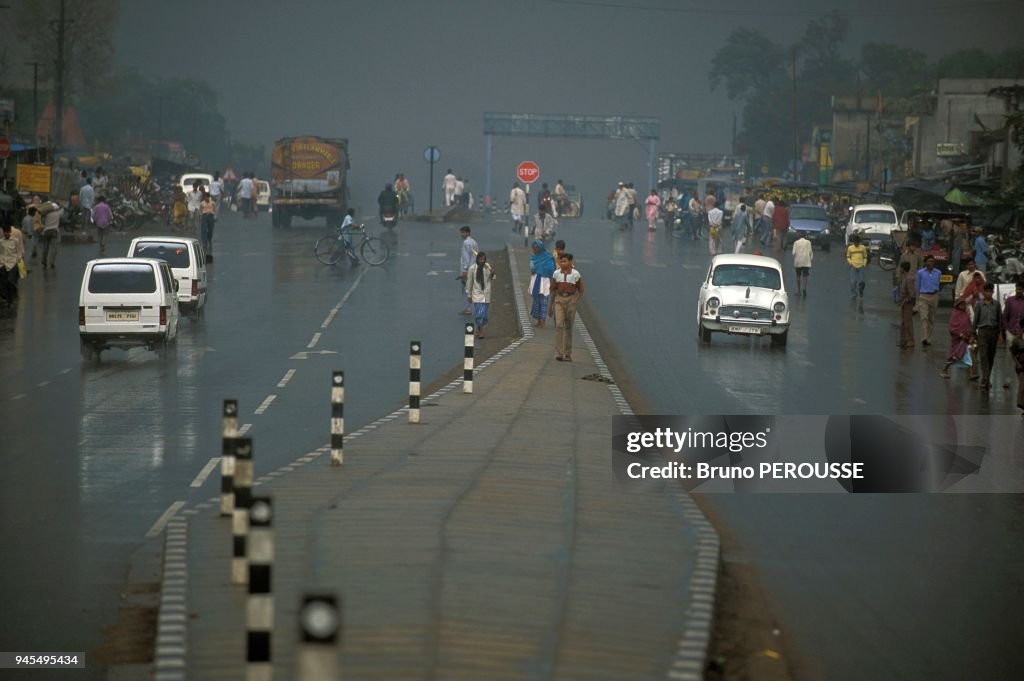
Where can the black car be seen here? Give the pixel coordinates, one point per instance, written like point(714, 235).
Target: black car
point(810, 221)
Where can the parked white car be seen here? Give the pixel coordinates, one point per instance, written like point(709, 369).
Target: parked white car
point(874, 222)
point(187, 260)
point(188, 179)
point(744, 295)
point(262, 195)
point(125, 303)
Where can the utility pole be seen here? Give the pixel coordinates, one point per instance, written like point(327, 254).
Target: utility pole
point(796, 144)
point(35, 95)
point(733, 133)
point(59, 80)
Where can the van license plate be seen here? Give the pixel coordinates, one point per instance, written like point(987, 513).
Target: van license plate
point(745, 329)
point(122, 315)
point(945, 278)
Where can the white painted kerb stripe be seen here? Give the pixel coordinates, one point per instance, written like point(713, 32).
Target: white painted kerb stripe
point(162, 521)
point(265, 404)
point(205, 473)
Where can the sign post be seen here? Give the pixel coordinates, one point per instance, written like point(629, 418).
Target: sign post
point(431, 155)
point(528, 172)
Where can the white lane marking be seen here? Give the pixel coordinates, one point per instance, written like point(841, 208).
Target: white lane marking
point(42, 384)
point(330, 318)
point(437, 255)
point(19, 396)
point(65, 371)
point(244, 429)
point(316, 339)
point(205, 473)
point(265, 404)
point(162, 521)
point(287, 377)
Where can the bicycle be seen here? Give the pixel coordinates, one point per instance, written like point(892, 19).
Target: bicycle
point(330, 249)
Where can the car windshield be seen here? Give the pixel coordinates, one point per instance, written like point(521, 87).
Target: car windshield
point(885, 216)
point(808, 213)
point(122, 278)
point(175, 255)
point(747, 275)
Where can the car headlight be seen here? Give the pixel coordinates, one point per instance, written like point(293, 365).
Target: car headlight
point(825, 231)
point(779, 307)
point(713, 303)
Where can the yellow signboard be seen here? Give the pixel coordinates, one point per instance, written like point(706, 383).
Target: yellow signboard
point(33, 178)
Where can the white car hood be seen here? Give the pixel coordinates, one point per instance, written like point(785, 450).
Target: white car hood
point(737, 295)
point(873, 228)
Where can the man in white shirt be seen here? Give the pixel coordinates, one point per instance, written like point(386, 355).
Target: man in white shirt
point(715, 216)
point(460, 189)
point(216, 190)
point(468, 256)
point(245, 194)
point(517, 206)
point(448, 185)
point(803, 254)
point(566, 290)
point(194, 198)
point(87, 199)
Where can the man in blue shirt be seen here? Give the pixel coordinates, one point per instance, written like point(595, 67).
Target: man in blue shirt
point(467, 258)
point(980, 251)
point(927, 282)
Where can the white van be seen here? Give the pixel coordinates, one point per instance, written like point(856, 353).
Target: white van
point(188, 179)
point(262, 195)
point(125, 303)
point(187, 260)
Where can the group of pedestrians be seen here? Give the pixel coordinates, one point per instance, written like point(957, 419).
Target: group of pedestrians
point(556, 287)
point(456, 190)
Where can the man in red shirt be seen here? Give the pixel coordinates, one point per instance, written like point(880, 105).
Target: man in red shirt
point(780, 223)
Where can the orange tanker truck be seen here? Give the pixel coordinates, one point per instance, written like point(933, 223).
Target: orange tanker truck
point(309, 175)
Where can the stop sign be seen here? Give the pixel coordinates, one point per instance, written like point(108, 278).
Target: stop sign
point(528, 172)
point(5, 147)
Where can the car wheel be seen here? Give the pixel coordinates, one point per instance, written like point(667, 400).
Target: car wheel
point(705, 334)
point(779, 340)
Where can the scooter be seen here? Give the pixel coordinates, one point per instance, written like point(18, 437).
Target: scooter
point(388, 218)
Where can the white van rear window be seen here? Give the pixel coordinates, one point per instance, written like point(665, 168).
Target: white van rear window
point(122, 278)
point(174, 254)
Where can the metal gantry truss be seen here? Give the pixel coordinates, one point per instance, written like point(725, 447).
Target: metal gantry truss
point(640, 128)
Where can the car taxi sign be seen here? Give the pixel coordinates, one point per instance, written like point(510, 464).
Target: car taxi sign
point(528, 172)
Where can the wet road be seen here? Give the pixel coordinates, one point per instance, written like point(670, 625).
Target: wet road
point(874, 586)
point(92, 455)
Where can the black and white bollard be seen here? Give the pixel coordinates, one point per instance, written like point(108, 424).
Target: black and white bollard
point(228, 432)
point(337, 418)
point(467, 363)
point(259, 609)
point(320, 631)
point(240, 514)
point(415, 352)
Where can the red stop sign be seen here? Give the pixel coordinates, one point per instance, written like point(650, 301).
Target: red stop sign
point(528, 172)
point(5, 147)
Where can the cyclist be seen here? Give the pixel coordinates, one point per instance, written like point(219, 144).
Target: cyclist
point(347, 227)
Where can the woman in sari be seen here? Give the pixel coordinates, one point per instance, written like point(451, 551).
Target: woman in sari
point(960, 332)
point(542, 266)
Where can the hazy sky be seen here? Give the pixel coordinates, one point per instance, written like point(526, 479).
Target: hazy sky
point(394, 77)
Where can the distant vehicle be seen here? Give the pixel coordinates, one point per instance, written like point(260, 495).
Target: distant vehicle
point(188, 179)
point(744, 295)
point(874, 222)
point(812, 222)
point(125, 303)
point(309, 176)
point(262, 195)
point(187, 260)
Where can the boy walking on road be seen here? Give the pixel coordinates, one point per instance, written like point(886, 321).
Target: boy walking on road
point(857, 259)
point(566, 290)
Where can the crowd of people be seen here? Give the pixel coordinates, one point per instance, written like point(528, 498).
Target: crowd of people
point(456, 190)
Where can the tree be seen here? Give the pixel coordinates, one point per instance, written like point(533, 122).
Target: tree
point(895, 71)
point(972, 63)
point(88, 48)
point(748, 65)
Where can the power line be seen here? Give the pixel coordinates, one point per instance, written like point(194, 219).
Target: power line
point(964, 8)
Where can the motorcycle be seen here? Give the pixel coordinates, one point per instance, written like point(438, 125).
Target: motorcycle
point(388, 218)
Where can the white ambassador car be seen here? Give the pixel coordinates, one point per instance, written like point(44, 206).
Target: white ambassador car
point(744, 295)
point(874, 222)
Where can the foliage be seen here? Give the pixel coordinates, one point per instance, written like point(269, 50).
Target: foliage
point(1013, 194)
point(758, 73)
point(88, 45)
